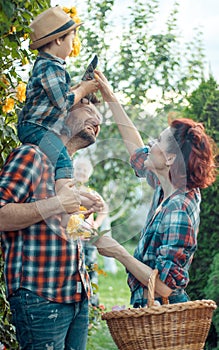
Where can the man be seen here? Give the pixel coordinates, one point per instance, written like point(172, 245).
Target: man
point(46, 281)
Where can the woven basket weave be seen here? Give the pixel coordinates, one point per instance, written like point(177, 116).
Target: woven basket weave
point(182, 326)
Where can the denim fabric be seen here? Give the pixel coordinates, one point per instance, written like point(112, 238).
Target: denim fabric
point(42, 324)
point(51, 144)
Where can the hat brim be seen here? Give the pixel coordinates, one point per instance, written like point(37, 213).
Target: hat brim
point(41, 42)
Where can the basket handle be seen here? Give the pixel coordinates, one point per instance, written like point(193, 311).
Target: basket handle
point(151, 289)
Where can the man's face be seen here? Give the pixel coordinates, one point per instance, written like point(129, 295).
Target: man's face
point(84, 121)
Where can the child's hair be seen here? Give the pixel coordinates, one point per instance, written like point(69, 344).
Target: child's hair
point(48, 45)
point(196, 154)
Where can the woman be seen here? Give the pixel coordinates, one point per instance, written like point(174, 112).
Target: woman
point(176, 165)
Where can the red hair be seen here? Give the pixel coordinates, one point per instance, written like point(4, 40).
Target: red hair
point(197, 151)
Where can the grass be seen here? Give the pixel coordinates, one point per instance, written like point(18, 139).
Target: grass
point(113, 290)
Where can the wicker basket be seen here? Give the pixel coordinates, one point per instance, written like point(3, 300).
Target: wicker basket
point(182, 326)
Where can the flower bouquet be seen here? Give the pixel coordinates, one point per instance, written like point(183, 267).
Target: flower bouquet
point(78, 227)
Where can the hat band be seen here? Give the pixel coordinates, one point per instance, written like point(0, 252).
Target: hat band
point(67, 25)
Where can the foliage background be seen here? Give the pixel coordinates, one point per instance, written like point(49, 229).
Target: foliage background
point(155, 75)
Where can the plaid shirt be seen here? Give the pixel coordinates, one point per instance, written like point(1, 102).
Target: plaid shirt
point(48, 95)
point(169, 239)
point(39, 257)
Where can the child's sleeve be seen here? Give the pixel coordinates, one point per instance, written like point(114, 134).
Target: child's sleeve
point(56, 82)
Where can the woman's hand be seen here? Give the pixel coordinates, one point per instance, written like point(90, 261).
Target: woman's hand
point(104, 87)
point(108, 246)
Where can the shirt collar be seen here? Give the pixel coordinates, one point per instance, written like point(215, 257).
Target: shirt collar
point(43, 54)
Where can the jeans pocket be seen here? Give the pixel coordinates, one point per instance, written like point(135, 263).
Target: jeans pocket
point(20, 322)
point(32, 299)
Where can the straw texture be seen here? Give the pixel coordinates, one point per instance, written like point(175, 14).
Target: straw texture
point(182, 326)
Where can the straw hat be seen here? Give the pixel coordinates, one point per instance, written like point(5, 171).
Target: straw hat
point(50, 25)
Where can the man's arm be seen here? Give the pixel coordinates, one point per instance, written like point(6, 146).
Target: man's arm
point(16, 216)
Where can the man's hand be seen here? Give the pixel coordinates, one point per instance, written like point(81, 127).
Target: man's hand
point(93, 201)
point(69, 197)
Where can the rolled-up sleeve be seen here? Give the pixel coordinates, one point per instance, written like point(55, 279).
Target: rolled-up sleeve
point(137, 163)
point(20, 176)
point(178, 246)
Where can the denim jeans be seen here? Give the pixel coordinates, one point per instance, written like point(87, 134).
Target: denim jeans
point(41, 324)
point(50, 144)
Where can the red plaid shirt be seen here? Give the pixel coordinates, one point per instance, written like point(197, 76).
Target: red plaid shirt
point(38, 257)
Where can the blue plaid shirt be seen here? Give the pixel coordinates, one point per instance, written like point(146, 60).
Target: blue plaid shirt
point(39, 258)
point(169, 238)
point(48, 95)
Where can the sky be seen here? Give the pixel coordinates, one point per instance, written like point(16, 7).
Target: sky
point(192, 13)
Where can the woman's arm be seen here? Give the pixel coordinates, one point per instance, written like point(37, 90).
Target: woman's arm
point(107, 246)
point(128, 131)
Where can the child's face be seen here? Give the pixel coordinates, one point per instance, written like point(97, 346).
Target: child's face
point(81, 172)
point(65, 47)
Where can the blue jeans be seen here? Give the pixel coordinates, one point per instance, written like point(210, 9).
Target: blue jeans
point(51, 144)
point(41, 324)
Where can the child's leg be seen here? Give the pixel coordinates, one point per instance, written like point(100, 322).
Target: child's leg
point(51, 144)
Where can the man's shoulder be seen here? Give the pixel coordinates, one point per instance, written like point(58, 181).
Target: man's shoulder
point(26, 149)
point(24, 158)
point(29, 152)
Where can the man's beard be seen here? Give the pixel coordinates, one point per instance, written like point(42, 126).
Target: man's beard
point(87, 137)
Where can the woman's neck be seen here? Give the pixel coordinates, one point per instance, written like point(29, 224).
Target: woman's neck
point(167, 186)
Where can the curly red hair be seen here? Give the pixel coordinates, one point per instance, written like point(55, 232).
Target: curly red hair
point(198, 151)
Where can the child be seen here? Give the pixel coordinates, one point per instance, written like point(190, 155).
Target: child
point(49, 95)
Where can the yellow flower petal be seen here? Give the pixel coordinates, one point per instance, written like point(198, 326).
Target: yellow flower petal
point(9, 105)
point(5, 80)
point(82, 208)
point(12, 30)
point(73, 11)
point(21, 92)
point(86, 234)
point(76, 47)
point(66, 9)
point(25, 61)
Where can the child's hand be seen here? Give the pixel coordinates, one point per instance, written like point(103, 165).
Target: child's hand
point(85, 89)
point(89, 86)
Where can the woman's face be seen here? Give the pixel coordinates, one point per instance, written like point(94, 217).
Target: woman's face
point(158, 157)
